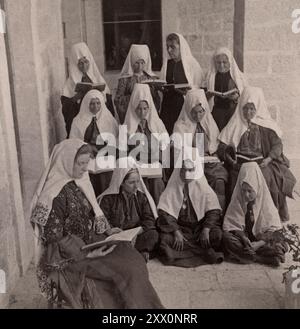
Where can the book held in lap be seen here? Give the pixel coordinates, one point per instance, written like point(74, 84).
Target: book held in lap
point(84, 87)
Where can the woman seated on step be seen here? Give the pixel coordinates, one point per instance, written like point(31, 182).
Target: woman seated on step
point(66, 216)
point(252, 135)
point(91, 125)
point(189, 218)
point(197, 126)
point(252, 220)
point(147, 132)
point(128, 204)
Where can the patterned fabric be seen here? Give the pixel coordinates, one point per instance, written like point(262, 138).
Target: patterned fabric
point(250, 143)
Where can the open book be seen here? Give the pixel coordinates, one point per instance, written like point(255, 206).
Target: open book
point(225, 94)
point(127, 235)
point(97, 166)
point(155, 82)
point(151, 170)
point(170, 86)
point(243, 158)
point(85, 87)
point(211, 159)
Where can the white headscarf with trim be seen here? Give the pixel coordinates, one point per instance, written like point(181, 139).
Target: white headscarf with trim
point(202, 196)
point(141, 92)
point(236, 74)
point(123, 166)
point(192, 68)
point(136, 53)
point(265, 213)
point(78, 51)
point(237, 126)
point(106, 123)
point(58, 172)
point(185, 123)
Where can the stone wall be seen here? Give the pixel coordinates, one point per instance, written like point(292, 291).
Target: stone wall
point(207, 24)
point(272, 61)
point(31, 123)
point(13, 247)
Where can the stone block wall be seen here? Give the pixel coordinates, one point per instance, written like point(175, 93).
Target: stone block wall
point(32, 76)
point(272, 62)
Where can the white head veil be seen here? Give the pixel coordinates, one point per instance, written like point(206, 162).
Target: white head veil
point(123, 166)
point(236, 127)
point(265, 213)
point(202, 196)
point(185, 124)
point(78, 51)
point(192, 68)
point(106, 123)
point(141, 92)
point(136, 53)
point(237, 76)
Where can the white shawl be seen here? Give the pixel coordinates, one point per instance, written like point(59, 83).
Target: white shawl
point(237, 126)
point(106, 123)
point(192, 68)
point(136, 53)
point(123, 166)
point(78, 51)
point(237, 76)
point(265, 213)
point(185, 124)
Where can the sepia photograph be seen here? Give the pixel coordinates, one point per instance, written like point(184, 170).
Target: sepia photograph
point(150, 156)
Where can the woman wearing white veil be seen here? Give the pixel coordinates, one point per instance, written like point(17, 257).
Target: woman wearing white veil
point(128, 204)
point(252, 135)
point(136, 69)
point(82, 68)
point(224, 75)
point(251, 221)
point(195, 121)
point(66, 216)
point(180, 67)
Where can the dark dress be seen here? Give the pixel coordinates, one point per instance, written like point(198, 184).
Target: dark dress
point(129, 211)
point(223, 107)
point(280, 180)
point(192, 254)
point(154, 185)
point(117, 280)
point(172, 100)
point(99, 181)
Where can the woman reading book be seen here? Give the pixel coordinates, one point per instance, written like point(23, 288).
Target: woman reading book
point(189, 218)
point(224, 75)
point(251, 221)
point(197, 126)
point(82, 68)
point(180, 67)
point(128, 204)
point(91, 125)
point(142, 122)
point(252, 134)
point(137, 68)
point(66, 216)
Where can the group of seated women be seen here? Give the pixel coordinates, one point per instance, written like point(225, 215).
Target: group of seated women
point(220, 195)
